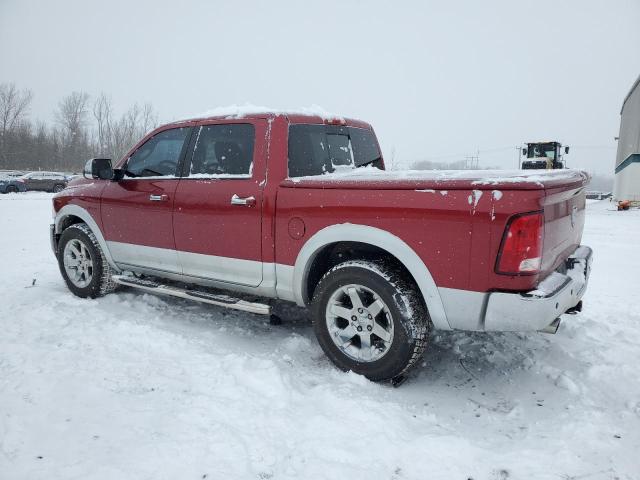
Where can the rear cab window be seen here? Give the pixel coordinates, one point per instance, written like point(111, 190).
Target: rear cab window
point(320, 149)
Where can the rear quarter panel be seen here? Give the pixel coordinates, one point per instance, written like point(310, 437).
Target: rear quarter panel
point(456, 233)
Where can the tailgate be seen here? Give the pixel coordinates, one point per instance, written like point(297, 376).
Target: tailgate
point(564, 214)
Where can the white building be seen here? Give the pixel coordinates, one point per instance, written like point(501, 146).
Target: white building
point(627, 185)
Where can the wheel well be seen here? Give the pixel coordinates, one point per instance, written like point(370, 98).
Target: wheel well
point(69, 220)
point(331, 255)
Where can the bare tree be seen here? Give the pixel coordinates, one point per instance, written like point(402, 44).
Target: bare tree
point(72, 117)
point(102, 112)
point(149, 119)
point(14, 106)
point(83, 129)
point(116, 136)
point(72, 112)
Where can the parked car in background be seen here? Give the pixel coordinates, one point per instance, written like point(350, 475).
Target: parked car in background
point(11, 173)
point(10, 184)
point(43, 181)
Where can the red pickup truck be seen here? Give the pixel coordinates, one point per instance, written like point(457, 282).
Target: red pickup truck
point(298, 207)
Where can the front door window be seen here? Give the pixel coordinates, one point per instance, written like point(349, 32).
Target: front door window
point(159, 156)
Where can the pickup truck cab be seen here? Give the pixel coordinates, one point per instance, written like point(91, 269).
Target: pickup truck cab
point(299, 207)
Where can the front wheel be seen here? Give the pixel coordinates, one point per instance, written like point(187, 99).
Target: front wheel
point(370, 318)
point(83, 264)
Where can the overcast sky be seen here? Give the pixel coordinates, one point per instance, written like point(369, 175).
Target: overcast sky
point(437, 80)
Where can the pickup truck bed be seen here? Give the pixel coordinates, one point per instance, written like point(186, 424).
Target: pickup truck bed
point(452, 218)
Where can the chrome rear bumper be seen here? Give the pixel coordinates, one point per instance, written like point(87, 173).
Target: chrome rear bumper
point(537, 309)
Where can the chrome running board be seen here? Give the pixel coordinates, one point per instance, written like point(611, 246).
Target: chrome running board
point(196, 295)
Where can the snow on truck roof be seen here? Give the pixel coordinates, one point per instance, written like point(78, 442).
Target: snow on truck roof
point(252, 111)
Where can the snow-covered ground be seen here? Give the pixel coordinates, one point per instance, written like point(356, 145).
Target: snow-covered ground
point(133, 386)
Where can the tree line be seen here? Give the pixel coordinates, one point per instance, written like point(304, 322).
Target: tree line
point(84, 128)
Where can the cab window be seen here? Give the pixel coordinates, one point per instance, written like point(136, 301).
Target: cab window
point(223, 150)
point(320, 149)
point(159, 156)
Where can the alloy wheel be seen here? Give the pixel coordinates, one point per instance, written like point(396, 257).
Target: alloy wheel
point(78, 263)
point(359, 323)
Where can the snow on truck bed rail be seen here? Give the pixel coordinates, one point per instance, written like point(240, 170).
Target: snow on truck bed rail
point(476, 178)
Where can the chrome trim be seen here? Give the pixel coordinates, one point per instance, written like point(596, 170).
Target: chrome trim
point(158, 198)
point(537, 309)
point(219, 300)
point(246, 201)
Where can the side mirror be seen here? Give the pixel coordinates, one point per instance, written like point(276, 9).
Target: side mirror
point(99, 168)
point(524, 152)
point(566, 149)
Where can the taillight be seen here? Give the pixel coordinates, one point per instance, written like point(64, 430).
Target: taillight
point(521, 249)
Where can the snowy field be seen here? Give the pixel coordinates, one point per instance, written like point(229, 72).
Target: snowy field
point(133, 386)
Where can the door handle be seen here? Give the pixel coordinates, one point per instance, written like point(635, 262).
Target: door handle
point(247, 201)
point(159, 198)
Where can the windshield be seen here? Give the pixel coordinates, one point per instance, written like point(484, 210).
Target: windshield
point(542, 150)
point(319, 149)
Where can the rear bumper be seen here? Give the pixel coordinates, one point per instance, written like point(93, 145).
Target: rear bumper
point(538, 308)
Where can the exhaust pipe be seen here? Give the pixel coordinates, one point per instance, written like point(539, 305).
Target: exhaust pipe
point(552, 327)
point(575, 309)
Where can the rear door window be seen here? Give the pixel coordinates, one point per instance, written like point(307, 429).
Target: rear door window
point(320, 149)
point(223, 151)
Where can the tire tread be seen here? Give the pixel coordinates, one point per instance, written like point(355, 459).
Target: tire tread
point(106, 284)
point(416, 316)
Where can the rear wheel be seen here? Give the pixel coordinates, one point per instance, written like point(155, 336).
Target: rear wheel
point(83, 264)
point(371, 319)
point(58, 188)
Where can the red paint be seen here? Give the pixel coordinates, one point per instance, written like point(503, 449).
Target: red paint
point(204, 221)
point(458, 242)
point(129, 215)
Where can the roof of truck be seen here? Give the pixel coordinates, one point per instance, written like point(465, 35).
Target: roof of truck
point(313, 114)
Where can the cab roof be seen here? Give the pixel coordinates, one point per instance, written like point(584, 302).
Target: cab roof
point(315, 115)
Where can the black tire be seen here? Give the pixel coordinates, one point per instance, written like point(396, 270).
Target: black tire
point(58, 188)
point(101, 282)
point(11, 189)
point(406, 308)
